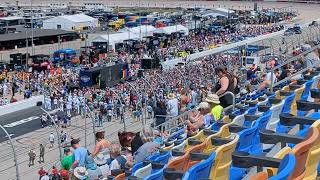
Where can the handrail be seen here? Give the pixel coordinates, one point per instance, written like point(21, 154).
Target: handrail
point(14, 152)
point(233, 99)
point(119, 98)
point(288, 78)
point(287, 62)
point(294, 58)
point(177, 118)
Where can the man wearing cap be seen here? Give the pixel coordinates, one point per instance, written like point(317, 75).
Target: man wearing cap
point(197, 121)
point(216, 108)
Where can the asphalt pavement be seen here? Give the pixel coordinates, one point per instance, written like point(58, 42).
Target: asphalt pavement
point(20, 122)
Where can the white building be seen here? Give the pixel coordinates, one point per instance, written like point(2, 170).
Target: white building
point(75, 22)
point(96, 6)
point(116, 38)
point(173, 29)
point(58, 5)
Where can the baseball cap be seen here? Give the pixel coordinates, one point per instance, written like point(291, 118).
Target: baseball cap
point(203, 105)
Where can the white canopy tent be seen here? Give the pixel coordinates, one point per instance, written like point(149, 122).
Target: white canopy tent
point(145, 30)
point(173, 29)
point(113, 39)
point(76, 22)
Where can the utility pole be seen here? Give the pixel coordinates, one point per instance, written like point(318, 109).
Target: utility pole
point(32, 44)
point(27, 46)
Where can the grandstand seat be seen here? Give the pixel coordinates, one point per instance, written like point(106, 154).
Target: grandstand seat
point(136, 167)
point(169, 147)
point(180, 147)
point(200, 170)
point(153, 156)
point(286, 109)
point(285, 169)
point(312, 164)
point(144, 171)
point(298, 91)
point(249, 140)
point(223, 159)
point(203, 134)
point(215, 166)
point(276, 110)
point(305, 94)
point(121, 177)
point(163, 158)
point(289, 97)
point(314, 155)
point(157, 175)
point(301, 150)
point(182, 162)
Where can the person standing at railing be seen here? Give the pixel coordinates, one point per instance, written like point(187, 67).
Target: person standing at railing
point(312, 58)
point(184, 100)
point(160, 113)
point(226, 83)
point(172, 105)
point(268, 78)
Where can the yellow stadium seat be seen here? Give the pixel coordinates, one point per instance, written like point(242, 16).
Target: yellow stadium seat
point(168, 148)
point(223, 160)
point(298, 92)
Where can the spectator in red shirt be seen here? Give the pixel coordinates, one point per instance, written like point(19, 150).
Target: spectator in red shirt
point(41, 172)
point(64, 174)
point(12, 100)
point(54, 170)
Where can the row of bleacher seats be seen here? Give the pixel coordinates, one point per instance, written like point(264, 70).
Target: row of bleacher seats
point(270, 135)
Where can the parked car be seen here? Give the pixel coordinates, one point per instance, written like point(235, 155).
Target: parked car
point(297, 29)
point(314, 23)
point(289, 32)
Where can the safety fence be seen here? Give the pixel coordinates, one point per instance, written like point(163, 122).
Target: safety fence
point(173, 123)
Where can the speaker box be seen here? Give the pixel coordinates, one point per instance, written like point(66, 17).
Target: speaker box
point(146, 63)
point(150, 63)
point(140, 73)
point(39, 103)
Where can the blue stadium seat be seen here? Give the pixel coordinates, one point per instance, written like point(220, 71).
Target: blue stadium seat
point(200, 170)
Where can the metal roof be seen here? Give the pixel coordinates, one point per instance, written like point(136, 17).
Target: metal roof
point(36, 33)
point(10, 18)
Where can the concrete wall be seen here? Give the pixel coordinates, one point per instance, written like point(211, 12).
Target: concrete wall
point(20, 105)
point(42, 49)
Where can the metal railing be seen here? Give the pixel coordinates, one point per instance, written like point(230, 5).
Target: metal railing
point(272, 84)
point(173, 123)
point(14, 152)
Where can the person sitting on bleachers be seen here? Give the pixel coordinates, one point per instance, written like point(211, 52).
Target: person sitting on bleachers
point(201, 119)
point(118, 160)
point(216, 108)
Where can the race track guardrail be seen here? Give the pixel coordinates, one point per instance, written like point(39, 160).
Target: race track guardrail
point(20, 105)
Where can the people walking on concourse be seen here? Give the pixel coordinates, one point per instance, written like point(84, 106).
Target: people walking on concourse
point(41, 155)
point(32, 157)
point(51, 140)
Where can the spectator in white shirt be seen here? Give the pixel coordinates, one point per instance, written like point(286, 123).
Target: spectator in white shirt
point(119, 160)
point(173, 105)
